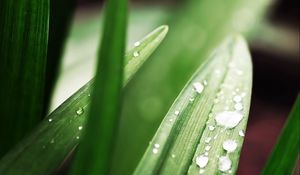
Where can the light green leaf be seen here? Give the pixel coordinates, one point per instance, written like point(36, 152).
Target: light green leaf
point(44, 150)
point(287, 148)
point(211, 109)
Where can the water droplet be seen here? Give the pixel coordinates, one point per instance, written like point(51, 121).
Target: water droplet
point(224, 163)
point(211, 128)
point(207, 140)
point(229, 145)
point(206, 153)
point(156, 145)
point(50, 119)
point(237, 98)
point(171, 120)
point(230, 171)
point(89, 95)
point(155, 150)
point(80, 128)
point(201, 171)
point(228, 119)
point(176, 112)
point(136, 43)
point(173, 156)
point(136, 54)
point(198, 87)
point(242, 133)
point(207, 148)
point(192, 99)
point(205, 83)
point(77, 137)
point(79, 111)
point(243, 94)
point(215, 137)
point(238, 106)
point(202, 161)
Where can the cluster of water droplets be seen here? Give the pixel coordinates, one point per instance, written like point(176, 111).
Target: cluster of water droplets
point(226, 119)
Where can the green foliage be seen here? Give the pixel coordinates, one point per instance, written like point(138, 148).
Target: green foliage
point(195, 32)
point(286, 151)
point(23, 51)
point(192, 119)
point(59, 133)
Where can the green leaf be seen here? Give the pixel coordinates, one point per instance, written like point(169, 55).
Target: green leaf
point(59, 133)
point(59, 25)
point(196, 30)
point(23, 52)
point(93, 156)
point(211, 109)
point(286, 151)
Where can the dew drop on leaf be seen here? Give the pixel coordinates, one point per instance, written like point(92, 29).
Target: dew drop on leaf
point(176, 112)
point(229, 145)
point(242, 133)
point(207, 148)
point(79, 111)
point(237, 98)
point(201, 171)
point(156, 145)
point(198, 87)
point(136, 43)
point(202, 161)
point(155, 150)
point(50, 120)
point(207, 140)
point(228, 119)
point(238, 106)
point(136, 54)
point(80, 128)
point(224, 163)
point(211, 128)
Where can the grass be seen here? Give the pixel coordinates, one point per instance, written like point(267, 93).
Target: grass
point(59, 133)
point(202, 132)
point(182, 135)
point(23, 49)
point(286, 151)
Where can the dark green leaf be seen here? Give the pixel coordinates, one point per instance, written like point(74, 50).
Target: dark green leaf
point(23, 53)
point(286, 150)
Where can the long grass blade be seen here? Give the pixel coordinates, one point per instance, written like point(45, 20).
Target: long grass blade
point(59, 133)
point(93, 156)
point(286, 151)
point(23, 54)
point(196, 30)
point(211, 109)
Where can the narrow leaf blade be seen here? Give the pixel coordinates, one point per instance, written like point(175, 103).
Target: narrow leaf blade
point(182, 135)
point(59, 133)
point(286, 151)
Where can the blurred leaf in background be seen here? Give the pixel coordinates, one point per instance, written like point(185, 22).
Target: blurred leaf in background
point(23, 54)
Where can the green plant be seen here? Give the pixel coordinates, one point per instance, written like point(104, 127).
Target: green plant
point(202, 131)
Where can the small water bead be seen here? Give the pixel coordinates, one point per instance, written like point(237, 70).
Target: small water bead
point(224, 163)
point(50, 119)
point(242, 133)
point(229, 145)
point(155, 150)
point(238, 106)
point(205, 83)
point(176, 112)
point(237, 98)
point(198, 87)
point(207, 148)
point(201, 171)
point(80, 128)
point(156, 145)
point(202, 161)
point(206, 153)
point(211, 128)
point(230, 171)
point(207, 140)
point(171, 120)
point(79, 111)
point(228, 119)
point(173, 156)
point(136, 54)
point(191, 99)
point(136, 43)
point(77, 137)
point(243, 94)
